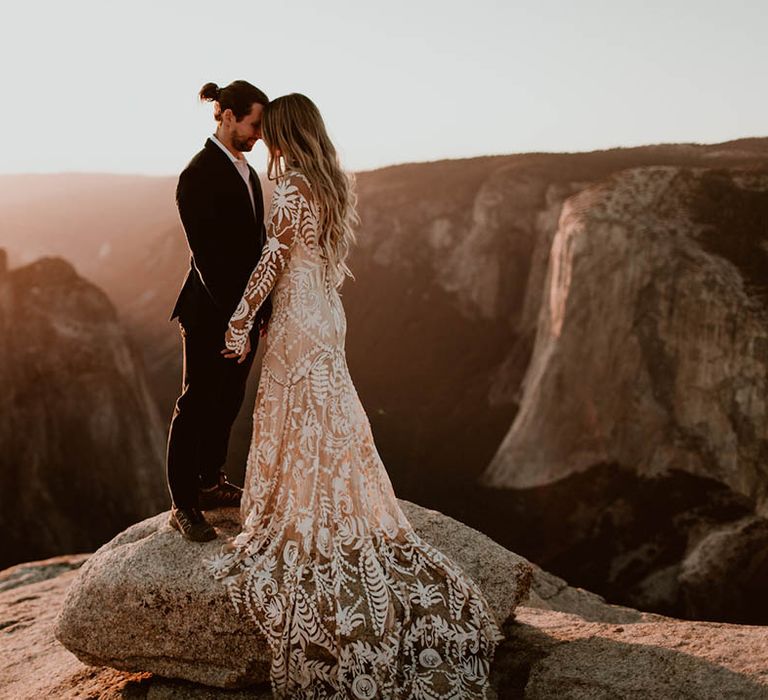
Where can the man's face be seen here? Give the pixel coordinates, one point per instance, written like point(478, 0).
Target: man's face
point(246, 132)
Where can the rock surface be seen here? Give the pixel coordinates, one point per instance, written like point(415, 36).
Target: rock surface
point(79, 423)
point(560, 655)
point(33, 665)
point(144, 601)
point(563, 642)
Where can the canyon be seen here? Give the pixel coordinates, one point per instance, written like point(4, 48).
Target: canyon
point(565, 351)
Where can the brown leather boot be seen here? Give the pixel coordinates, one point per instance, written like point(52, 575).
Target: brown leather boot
point(191, 523)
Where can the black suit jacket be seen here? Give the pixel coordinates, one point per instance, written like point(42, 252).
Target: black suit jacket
point(225, 238)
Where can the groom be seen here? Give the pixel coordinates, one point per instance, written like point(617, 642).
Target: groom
point(221, 209)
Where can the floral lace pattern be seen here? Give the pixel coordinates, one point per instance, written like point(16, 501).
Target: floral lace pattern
point(352, 602)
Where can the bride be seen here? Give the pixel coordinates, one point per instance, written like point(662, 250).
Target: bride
point(353, 603)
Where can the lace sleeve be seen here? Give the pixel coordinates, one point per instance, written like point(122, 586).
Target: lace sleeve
point(283, 226)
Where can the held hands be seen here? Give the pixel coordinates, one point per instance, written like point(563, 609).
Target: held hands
point(231, 354)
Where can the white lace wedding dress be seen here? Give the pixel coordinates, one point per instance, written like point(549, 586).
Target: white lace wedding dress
point(351, 601)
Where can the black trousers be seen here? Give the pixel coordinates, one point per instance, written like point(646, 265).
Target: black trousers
point(212, 391)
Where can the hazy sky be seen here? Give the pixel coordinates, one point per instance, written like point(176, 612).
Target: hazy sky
point(111, 86)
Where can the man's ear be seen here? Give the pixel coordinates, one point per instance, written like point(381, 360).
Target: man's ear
point(227, 116)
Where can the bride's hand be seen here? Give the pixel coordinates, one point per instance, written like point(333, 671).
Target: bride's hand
point(231, 354)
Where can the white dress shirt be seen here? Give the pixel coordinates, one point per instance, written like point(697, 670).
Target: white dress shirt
point(241, 164)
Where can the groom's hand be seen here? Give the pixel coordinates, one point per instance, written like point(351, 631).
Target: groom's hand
point(231, 354)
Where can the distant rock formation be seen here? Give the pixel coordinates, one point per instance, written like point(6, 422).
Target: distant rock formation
point(652, 344)
point(82, 449)
point(144, 601)
point(450, 275)
point(560, 642)
point(651, 358)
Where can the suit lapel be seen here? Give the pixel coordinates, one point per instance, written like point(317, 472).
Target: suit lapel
point(228, 167)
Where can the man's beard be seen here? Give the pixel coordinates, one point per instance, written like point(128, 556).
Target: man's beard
point(242, 144)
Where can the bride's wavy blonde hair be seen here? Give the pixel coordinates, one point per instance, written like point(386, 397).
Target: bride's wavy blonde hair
point(292, 126)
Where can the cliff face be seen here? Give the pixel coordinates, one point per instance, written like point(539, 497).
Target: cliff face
point(651, 363)
point(652, 343)
point(81, 446)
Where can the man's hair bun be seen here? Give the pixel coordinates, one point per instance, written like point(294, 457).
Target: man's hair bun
point(210, 92)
